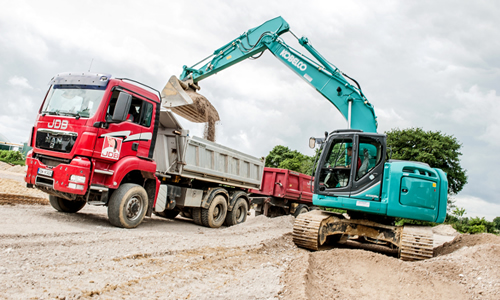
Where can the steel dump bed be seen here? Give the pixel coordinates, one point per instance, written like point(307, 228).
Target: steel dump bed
point(282, 183)
point(177, 153)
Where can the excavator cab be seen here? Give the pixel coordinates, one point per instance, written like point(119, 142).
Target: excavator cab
point(351, 166)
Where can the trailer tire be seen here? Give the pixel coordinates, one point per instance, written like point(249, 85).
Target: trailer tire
point(168, 213)
point(216, 213)
point(301, 209)
point(128, 205)
point(197, 216)
point(238, 214)
point(67, 206)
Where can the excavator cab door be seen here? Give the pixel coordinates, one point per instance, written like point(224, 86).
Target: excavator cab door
point(367, 180)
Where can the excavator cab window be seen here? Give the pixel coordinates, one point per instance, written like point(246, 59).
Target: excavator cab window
point(337, 165)
point(370, 155)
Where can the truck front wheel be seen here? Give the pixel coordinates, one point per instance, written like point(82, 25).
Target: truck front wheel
point(215, 215)
point(63, 205)
point(238, 214)
point(127, 206)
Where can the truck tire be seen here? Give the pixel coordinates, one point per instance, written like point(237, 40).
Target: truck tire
point(63, 205)
point(168, 213)
point(215, 215)
point(301, 209)
point(128, 205)
point(197, 216)
point(238, 214)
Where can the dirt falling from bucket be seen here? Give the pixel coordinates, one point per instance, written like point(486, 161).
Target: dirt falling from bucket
point(205, 108)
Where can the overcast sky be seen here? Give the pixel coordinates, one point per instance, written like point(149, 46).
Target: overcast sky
point(429, 64)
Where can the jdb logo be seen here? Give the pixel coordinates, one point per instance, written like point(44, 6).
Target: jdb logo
point(293, 60)
point(56, 123)
point(111, 147)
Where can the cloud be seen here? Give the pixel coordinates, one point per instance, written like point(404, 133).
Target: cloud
point(475, 206)
point(19, 81)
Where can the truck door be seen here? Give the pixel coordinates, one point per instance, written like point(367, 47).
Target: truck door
point(128, 138)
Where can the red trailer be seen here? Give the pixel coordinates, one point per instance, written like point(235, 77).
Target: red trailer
point(282, 192)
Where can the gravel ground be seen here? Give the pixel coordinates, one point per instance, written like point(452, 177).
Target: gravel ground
point(45, 254)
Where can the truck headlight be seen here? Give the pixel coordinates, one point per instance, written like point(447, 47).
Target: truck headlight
point(76, 178)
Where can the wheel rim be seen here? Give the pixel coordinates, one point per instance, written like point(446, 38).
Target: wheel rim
point(217, 212)
point(134, 208)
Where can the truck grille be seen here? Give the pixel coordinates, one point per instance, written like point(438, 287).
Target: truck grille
point(55, 140)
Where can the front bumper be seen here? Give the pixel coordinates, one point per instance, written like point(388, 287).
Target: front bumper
point(57, 178)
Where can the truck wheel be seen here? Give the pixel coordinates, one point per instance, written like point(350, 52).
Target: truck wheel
point(168, 213)
point(63, 205)
point(238, 214)
point(186, 213)
point(301, 209)
point(197, 216)
point(128, 205)
point(215, 215)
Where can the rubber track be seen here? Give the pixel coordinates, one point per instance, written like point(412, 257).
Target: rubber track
point(6, 198)
point(306, 229)
point(416, 245)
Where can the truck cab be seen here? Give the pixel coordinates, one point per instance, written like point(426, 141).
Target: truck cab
point(92, 134)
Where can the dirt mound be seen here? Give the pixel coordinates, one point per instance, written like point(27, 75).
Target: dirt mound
point(12, 168)
point(261, 223)
point(14, 192)
point(466, 240)
point(446, 230)
point(359, 274)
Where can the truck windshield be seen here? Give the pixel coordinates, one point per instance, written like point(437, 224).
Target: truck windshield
point(72, 101)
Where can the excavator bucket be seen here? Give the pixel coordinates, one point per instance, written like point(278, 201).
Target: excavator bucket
point(181, 97)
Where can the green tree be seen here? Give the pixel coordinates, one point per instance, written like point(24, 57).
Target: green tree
point(284, 158)
point(432, 147)
point(496, 221)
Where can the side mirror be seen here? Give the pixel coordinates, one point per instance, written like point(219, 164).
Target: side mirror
point(122, 107)
point(312, 142)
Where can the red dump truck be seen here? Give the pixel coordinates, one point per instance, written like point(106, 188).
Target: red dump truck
point(282, 192)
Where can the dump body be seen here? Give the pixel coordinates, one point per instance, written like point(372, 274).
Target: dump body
point(283, 183)
point(282, 192)
point(177, 153)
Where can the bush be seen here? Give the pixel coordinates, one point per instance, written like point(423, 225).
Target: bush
point(12, 157)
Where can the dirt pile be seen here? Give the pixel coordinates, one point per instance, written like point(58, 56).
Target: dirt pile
point(12, 168)
point(466, 268)
point(14, 192)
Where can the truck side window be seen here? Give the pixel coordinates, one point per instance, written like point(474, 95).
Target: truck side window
point(135, 110)
point(147, 115)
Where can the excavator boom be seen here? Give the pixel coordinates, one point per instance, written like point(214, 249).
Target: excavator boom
point(327, 79)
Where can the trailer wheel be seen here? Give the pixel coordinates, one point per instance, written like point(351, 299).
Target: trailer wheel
point(63, 205)
point(301, 209)
point(238, 214)
point(215, 215)
point(128, 205)
point(197, 216)
point(168, 213)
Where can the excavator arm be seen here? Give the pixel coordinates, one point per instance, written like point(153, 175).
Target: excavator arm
point(327, 79)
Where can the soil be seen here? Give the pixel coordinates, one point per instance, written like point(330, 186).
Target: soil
point(45, 254)
point(205, 108)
